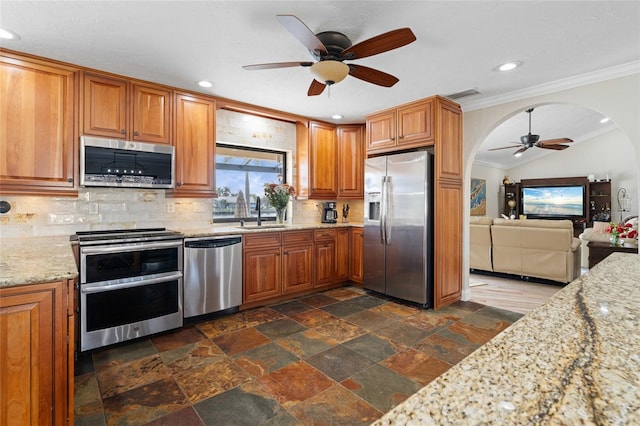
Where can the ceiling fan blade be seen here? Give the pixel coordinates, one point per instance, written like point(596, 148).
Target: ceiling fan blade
point(371, 75)
point(505, 147)
point(316, 88)
point(521, 150)
point(554, 141)
point(301, 32)
point(277, 65)
point(556, 147)
point(379, 44)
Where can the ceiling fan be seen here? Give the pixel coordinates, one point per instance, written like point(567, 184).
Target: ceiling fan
point(529, 141)
point(330, 49)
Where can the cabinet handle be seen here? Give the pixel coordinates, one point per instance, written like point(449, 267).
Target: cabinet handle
point(178, 183)
point(400, 137)
point(286, 252)
point(70, 180)
point(123, 131)
point(136, 134)
point(277, 254)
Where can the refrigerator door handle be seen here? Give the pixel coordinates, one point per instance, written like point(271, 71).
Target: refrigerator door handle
point(383, 207)
point(387, 193)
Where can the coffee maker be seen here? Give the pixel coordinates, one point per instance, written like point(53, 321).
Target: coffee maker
point(329, 212)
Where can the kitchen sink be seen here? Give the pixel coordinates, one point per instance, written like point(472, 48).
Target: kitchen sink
point(270, 226)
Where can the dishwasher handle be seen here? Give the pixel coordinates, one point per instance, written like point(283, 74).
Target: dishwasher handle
point(213, 243)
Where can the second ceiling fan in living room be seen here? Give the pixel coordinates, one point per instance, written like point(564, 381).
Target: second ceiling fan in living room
point(530, 140)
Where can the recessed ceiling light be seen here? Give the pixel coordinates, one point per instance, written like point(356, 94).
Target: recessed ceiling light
point(508, 66)
point(205, 83)
point(336, 116)
point(8, 35)
point(604, 120)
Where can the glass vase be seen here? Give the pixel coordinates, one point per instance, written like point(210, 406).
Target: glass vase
point(280, 214)
point(614, 239)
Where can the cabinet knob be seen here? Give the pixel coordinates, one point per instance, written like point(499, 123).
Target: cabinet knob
point(70, 180)
point(178, 183)
point(400, 137)
point(286, 252)
point(136, 134)
point(123, 131)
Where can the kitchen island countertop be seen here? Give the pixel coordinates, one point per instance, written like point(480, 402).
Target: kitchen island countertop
point(32, 260)
point(573, 360)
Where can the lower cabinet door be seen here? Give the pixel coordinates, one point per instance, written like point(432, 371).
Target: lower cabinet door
point(262, 274)
point(297, 274)
point(325, 263)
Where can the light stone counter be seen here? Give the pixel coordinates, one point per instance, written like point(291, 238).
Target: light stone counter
point(219, 230)
point(574, 360)
point(33, 260)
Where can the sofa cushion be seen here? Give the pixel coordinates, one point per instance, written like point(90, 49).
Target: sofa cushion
point(481, 220)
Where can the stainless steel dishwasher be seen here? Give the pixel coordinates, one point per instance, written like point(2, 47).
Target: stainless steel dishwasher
point(212, 274)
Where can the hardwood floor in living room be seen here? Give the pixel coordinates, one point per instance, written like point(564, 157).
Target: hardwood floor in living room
point(509, 293)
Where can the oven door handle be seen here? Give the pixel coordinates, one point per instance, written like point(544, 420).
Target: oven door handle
point(92, 288)
point(125, 248)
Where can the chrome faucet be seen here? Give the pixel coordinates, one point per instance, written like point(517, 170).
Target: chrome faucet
point(258, 210)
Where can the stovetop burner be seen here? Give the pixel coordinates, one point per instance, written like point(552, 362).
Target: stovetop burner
point(124, 236)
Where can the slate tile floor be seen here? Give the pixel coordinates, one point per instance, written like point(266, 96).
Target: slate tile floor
point(340, 357)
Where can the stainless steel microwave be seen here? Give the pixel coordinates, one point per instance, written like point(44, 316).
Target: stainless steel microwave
point(115, 162)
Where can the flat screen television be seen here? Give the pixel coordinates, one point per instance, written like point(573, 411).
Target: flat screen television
point(554, 202)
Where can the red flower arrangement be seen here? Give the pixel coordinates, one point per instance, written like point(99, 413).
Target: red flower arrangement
point(622, 230)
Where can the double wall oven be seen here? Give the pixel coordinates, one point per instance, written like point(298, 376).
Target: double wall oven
point(130, 284)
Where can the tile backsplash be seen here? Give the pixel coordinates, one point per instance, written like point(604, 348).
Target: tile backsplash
point(126, 208)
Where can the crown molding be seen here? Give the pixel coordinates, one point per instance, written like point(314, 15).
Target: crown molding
point(556, 86)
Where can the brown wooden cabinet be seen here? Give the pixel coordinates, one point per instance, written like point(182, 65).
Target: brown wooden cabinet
point(261, 269)
point(356, 267)
point(36, 354)
point(448, 200)
point(405, 127)
point(343, 243)
point(323, 150)
point(599, 202)
point(512, 193)
point(325, 257)
point(195, 146)
point(350, 162)
point(38, 148)
point(297, 261)
point(121, 109)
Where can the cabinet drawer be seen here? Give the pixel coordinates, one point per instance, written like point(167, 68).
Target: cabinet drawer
point(324, 234)
point(261, 239)
point(293, 237)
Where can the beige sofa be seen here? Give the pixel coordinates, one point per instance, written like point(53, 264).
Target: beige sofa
point(536, 248)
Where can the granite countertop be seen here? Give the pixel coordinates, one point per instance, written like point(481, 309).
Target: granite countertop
point(266, 227)
point(574, 360)
point(33, 260)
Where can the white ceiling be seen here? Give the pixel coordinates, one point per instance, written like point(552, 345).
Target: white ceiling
point(458, 45)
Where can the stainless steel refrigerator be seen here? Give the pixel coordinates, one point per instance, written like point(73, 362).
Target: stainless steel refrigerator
point(398, 226)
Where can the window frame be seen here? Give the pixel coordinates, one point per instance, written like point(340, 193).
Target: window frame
point(285, 172)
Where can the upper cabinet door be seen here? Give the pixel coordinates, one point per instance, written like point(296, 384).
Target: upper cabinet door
point(117, 109)
point(151, 114)
point(350, 162)
point(37, 143)
point(322, 167)
point(381, 131)
point(195, 146)
point(415, 124)
point(105, 107)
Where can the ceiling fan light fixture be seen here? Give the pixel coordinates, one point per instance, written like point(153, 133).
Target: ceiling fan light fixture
point(517, 154)
point(329, 72)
